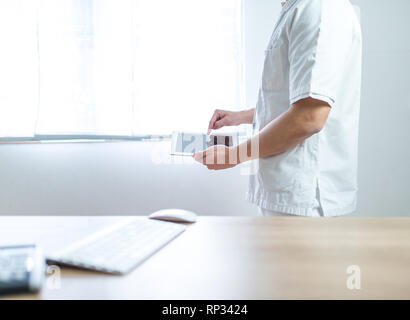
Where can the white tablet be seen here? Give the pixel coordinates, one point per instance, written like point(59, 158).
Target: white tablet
point(186, 144)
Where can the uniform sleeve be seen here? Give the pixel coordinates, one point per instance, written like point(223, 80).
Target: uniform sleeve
point(320, 37)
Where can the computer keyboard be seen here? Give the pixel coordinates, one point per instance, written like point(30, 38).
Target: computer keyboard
point(120, 248)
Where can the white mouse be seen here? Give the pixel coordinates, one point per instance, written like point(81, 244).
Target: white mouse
point(174, 215)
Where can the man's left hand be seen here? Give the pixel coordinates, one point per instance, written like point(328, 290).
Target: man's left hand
point(218, 157)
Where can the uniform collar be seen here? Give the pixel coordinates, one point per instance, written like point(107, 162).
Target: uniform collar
point(288, 5)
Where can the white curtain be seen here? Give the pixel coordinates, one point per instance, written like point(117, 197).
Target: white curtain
point(18, 68)
point(117, 67)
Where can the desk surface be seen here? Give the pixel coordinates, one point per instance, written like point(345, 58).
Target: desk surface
point(240, 258)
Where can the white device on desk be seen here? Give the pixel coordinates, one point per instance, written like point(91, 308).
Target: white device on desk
point(174, 215)
point(22, 269)
point(119, 248)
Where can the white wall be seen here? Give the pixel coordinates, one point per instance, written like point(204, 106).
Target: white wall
point(384, 176)
point(125, 178)
point(260, 19)
point(121, 178)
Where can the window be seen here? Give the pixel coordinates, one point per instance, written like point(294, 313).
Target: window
point(117, 67)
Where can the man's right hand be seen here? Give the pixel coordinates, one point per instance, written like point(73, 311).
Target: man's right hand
point(223, 118)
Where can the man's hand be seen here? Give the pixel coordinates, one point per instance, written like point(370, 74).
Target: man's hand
point(218, 157)
point(222, 118)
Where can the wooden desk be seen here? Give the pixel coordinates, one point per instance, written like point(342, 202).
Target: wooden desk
point(241, 258)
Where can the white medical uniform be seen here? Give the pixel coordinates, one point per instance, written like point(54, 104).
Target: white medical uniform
point(315, 51)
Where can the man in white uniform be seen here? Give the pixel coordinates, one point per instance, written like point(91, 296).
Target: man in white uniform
point(307, 115)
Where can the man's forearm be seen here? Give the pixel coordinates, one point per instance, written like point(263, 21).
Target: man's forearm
point(247, 116)
point(284, 133)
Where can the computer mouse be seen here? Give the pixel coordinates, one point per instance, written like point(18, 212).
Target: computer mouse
point(174, 215)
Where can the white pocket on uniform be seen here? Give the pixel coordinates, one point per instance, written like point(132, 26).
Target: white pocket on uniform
point(274, 75)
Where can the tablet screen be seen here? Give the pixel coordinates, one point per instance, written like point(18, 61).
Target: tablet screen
point(189, 143)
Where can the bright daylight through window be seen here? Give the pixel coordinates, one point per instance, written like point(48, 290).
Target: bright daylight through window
point(110, 67)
